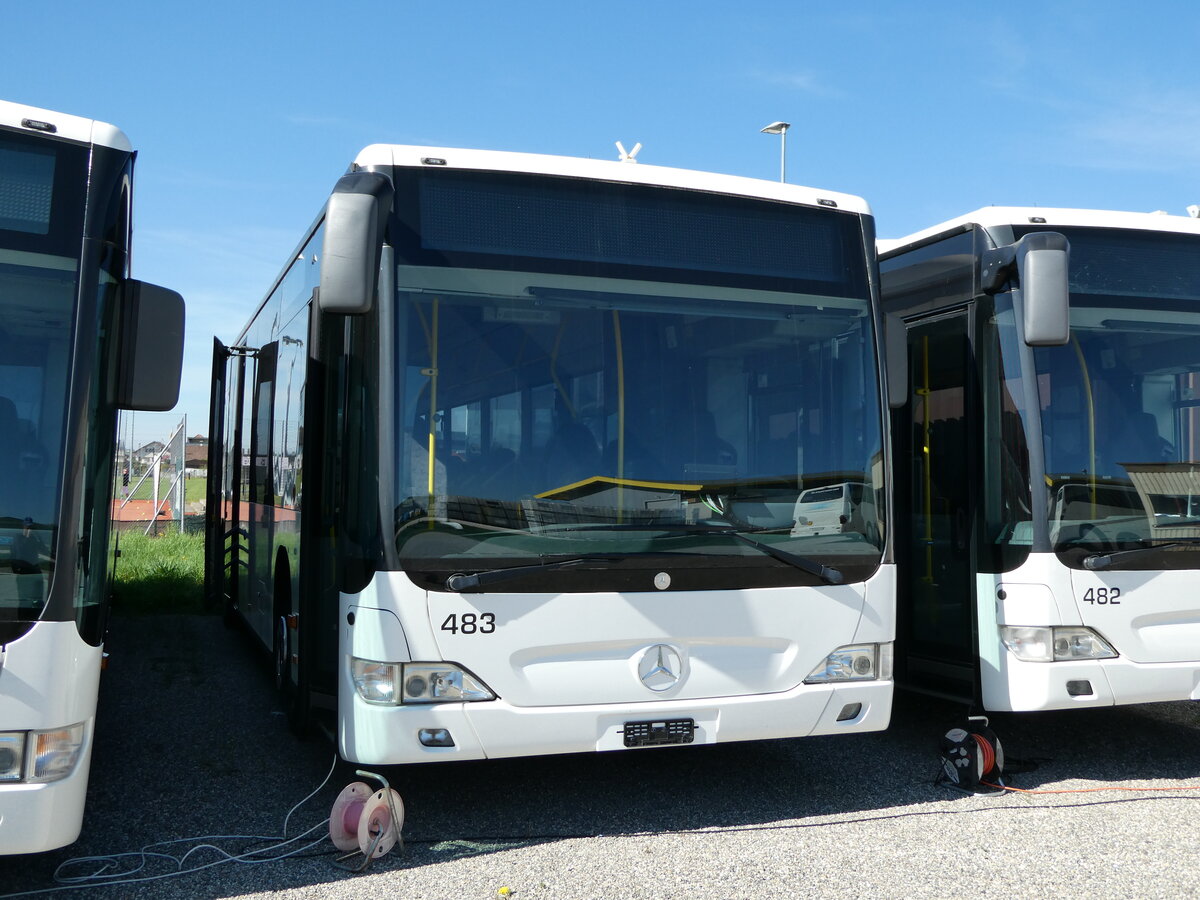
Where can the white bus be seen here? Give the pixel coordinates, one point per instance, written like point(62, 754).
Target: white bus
point(506, 462)
point(1051, 485)
point(78, 340)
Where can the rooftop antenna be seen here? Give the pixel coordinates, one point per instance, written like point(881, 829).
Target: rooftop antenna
point(622, 156)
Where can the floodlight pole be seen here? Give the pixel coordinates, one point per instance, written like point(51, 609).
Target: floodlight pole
point(781, 129)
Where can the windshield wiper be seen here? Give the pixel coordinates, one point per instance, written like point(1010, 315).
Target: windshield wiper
point(463, 583)
point(1104, 560)
point(828, 574)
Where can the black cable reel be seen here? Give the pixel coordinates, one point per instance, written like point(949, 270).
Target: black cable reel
point(972, 758)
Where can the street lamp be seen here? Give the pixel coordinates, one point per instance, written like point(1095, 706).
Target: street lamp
point(780, 128)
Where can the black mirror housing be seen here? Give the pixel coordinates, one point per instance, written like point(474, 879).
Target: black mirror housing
point(150, 348)
point(1041, 263)
point(895, 348)
point(1043, 260)
point(355, 218)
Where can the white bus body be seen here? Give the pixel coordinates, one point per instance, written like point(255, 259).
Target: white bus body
point(69, 357)
point(1053, 555)
point(557, 449)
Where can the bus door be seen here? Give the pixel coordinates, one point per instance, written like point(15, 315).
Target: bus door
point(260, 515)
point(934, 438)
point(225, 534)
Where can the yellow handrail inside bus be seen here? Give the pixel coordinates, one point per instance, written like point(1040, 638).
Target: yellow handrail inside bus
point(619, 482)
point(433, 379)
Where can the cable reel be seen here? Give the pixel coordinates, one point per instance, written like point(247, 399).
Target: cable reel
point(972, 758)
point(366, 821)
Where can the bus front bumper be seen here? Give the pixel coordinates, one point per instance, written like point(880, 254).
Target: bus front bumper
point(1029, 686)
point(389, 735)
point(37, 817)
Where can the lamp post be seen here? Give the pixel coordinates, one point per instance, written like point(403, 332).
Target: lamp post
point(780, 128)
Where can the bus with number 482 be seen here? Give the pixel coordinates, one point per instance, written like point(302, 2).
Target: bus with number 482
point(1050, 451)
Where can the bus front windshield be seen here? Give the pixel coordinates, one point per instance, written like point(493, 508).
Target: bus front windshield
point(41, 208)
point(1121, 404)
point(575, 428)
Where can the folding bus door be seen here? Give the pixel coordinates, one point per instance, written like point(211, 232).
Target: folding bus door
point(224, 538)
point(257, 597)
point(935, 447)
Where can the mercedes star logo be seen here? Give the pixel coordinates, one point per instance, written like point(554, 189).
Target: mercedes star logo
point(660, 667)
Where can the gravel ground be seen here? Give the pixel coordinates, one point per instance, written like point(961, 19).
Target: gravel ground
point(191, 742)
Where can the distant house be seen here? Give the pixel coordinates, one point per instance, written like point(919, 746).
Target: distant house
point(144, 456)
point(195, 454)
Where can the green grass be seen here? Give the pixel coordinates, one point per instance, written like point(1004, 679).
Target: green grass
point(193, 489)
point(160, 574)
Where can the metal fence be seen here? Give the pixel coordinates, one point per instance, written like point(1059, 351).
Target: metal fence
point(151, 486)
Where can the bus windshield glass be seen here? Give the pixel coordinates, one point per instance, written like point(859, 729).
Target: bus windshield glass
point(1121, 403)
point(629, 379)
point(41, 215)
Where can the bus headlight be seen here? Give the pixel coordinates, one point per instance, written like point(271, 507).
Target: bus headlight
point(442, 683)
point(376, 682)
point(55, 753)
point(855, 662)
point(1055, 644)
point(12, 755)
point(40, 756)
point(390, 684)
point(1081, 643)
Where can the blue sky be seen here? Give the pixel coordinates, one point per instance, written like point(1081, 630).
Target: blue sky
point(244, 114)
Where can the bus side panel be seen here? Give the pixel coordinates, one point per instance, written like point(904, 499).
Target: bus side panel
point(286, 466)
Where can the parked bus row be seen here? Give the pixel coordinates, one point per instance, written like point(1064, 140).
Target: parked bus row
point(525, 455)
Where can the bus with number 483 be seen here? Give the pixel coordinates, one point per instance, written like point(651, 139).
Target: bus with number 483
point(507, 461)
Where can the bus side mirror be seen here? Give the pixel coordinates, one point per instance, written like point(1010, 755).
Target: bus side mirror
point(895, 349)
point(354, 224)
point(150, 347)
point(1042, 263)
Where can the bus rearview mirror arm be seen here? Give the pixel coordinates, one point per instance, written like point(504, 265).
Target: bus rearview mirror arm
point(354, 224)
point(1040, 262)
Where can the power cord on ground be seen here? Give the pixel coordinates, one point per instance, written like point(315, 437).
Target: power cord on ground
point(126, 868)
